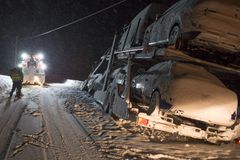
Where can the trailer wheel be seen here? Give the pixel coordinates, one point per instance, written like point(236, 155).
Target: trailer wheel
point(154, 102)
point(174, 34)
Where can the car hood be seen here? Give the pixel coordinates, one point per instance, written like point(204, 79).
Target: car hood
point(203, 100)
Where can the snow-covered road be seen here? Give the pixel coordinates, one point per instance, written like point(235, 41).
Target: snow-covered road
point(37, 127)
point(61, 122)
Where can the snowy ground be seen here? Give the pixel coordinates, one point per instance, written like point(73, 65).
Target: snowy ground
point(5, 84)
point(59, 121)
point(124, 140)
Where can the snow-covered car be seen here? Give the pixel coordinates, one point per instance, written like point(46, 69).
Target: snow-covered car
point(95, 79)
point(134, 32)
point(33, 69)
point(187, 99)
point(204, 24)
point(115, 102)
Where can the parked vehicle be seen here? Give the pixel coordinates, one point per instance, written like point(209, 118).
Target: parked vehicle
point(96, 77)
point(185, 98)
point(201, 27)
point(210, 26)
point(116, 101)
point(134, 32)
point(186, 90)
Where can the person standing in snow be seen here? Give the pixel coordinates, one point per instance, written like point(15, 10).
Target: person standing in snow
point(17, 78)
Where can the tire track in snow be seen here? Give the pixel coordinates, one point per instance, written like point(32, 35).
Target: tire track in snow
point(29, 135)
point(8, 124)
point(59, 137)
point(65, 132)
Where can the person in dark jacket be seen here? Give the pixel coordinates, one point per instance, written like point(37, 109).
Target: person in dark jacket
point(17, 78)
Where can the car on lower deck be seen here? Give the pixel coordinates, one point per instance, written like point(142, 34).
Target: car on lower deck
point(186, 94)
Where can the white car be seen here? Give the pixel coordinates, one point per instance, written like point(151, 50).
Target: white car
point(185, 98)
point(33, 69)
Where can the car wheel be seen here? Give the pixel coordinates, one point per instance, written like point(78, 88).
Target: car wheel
point(154, 102)
point(174, 34)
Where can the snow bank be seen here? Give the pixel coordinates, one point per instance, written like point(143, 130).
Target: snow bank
point(71, 82)
point(5, 83)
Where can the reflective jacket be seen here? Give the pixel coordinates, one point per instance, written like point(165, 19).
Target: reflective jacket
point(16, 75)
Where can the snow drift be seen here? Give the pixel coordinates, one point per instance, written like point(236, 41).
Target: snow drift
point(5, 83)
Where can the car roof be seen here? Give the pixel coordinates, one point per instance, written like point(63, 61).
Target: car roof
point(175, 69)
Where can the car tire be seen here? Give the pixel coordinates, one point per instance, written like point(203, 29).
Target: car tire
point(174, 34)
point(154, 102)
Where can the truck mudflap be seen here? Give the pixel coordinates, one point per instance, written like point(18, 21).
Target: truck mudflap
point(166, 124)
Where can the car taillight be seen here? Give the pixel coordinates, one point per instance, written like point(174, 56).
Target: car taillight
point(142, 121)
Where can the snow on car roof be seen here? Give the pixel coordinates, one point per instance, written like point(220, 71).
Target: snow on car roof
point(177, 69)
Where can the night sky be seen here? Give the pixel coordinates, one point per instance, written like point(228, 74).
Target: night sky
point(71, 51)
